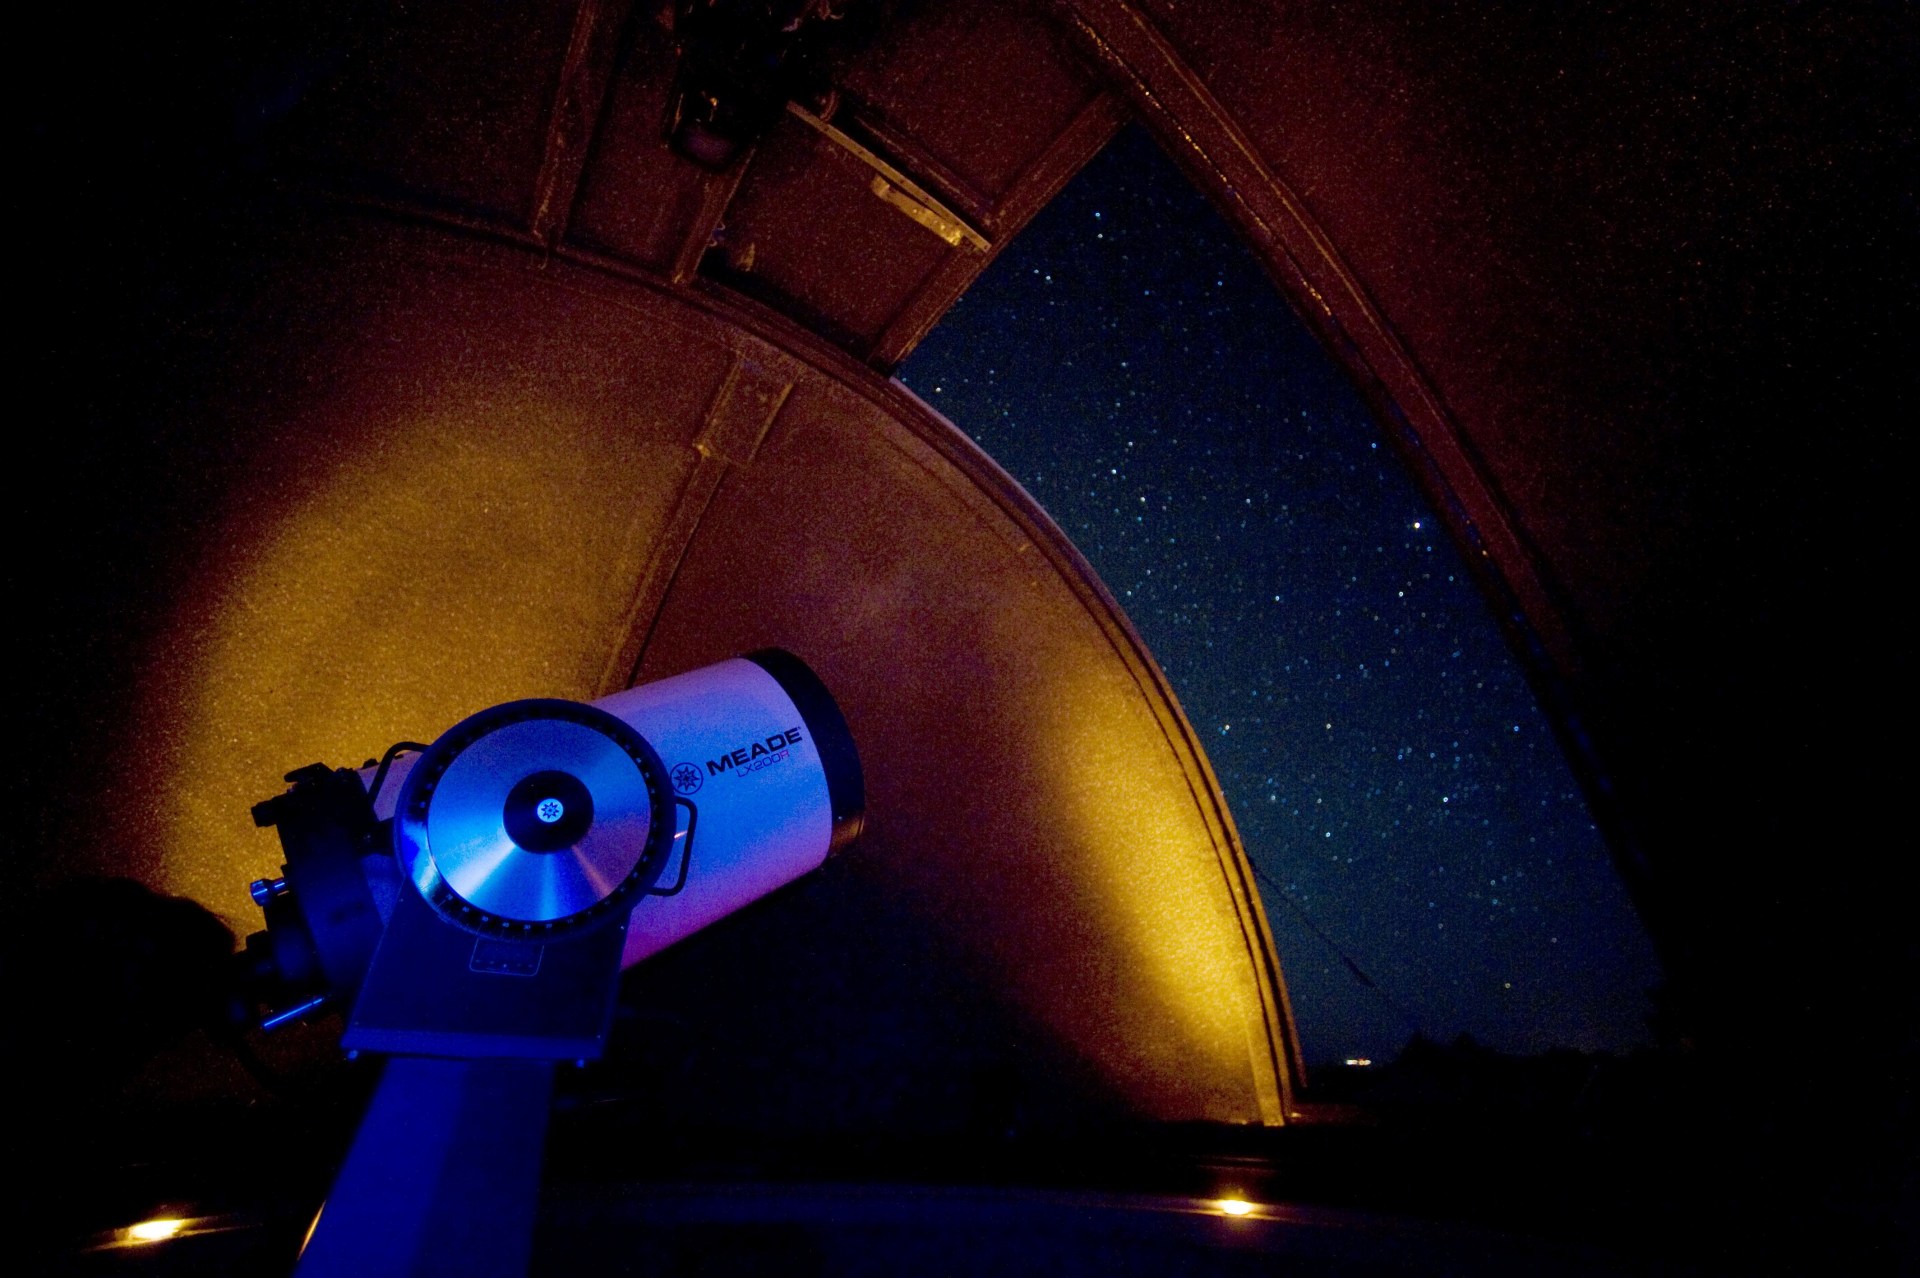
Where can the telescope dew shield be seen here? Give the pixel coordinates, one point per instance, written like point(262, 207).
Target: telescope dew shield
point(759, 744)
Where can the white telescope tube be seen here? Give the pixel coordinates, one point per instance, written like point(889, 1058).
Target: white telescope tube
point(758, 744)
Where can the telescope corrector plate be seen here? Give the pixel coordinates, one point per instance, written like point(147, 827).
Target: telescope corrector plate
point(468, 848)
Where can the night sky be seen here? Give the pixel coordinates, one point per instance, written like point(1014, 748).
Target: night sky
point(1397, 788)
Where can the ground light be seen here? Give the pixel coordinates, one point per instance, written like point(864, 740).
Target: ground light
point(158, 1230)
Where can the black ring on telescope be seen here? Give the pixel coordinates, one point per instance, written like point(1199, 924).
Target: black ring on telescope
point(846, 785)
point(416, 799)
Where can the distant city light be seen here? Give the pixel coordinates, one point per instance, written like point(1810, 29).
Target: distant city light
point(1360, 1062)
point(1234, 1206)
point(155, 1230)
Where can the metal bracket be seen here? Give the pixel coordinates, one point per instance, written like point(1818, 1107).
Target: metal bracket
point(897, 189)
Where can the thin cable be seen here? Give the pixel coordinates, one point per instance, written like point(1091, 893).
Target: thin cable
point(386, 761)
point(1359, 973)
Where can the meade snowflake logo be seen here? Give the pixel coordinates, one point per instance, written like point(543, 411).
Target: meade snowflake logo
point(687, 778)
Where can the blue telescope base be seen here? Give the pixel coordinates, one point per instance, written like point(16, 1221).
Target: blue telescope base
point(443, 1177)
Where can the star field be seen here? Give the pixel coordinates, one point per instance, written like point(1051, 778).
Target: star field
point(1427, 862)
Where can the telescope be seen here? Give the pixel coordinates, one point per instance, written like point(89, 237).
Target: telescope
point(469, 906)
